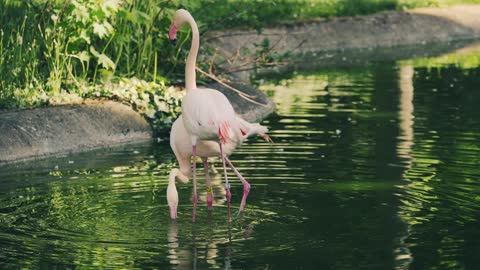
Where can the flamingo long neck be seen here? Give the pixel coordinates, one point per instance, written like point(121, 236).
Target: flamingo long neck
point(171, 181)
point(190, 76)
point(171, 177)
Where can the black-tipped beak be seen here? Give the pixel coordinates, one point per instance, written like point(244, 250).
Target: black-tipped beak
point(174, 42)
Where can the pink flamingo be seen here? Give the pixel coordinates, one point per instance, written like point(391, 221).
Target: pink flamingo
point(207, 113)
point(180, 143)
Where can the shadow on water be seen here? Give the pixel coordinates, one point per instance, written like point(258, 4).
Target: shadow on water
point(374, 166)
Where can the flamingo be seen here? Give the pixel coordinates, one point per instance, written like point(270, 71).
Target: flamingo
point(206, 113)
point(179, 141)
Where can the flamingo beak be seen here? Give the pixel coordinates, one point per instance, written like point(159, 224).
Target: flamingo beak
point(172, 199)
point(172, 34)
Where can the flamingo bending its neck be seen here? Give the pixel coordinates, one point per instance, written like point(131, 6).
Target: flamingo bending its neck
point(206, 113)
point(179, 141)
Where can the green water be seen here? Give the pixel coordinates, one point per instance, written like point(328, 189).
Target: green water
point(373, 167)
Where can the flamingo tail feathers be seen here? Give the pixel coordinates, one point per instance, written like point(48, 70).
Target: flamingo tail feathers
point(224, 132)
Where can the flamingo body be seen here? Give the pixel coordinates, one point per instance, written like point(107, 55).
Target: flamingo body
point(208, 115)
point(180, 144)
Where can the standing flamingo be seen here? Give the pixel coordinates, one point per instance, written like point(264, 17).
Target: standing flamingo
point(179, 141)
point(207, 113)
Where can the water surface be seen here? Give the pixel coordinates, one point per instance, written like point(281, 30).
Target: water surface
point(374, 166)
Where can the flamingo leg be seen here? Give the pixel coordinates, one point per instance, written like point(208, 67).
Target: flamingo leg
point(227, 185)
point(246, 185)
point(209, 185)
point(195, 199)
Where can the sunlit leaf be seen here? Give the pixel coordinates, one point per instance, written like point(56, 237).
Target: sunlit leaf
point(109, 6)
point(99, 30)
point(94, 52)
point(80, 12)
point(84, 36)
point(83, 56)
point(150, 113)
point(105, 61)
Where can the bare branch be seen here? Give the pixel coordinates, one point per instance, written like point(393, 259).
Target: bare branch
point(240, 93)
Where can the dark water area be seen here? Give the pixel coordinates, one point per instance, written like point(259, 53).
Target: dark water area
point(373, 167)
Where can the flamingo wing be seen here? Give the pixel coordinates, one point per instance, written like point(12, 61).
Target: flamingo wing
point(208, 114)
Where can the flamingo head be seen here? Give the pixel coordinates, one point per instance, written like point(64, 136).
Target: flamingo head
point(172, 194)
point(180, 17)
point(172, 34)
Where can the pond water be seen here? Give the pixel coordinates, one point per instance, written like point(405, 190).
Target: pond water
point(374, 166)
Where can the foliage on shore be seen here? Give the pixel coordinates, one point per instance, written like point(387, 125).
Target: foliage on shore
point(63, 51)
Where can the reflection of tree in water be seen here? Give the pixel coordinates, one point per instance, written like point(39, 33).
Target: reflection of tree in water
point(440, 201)
point(350, 118)
point(435, 152)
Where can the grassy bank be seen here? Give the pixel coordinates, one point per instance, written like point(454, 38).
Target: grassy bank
point(55, 51)
point(224, 14)
point(64, 51)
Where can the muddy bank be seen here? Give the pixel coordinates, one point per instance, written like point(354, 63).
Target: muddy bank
point(383, 30)
point(39, 132)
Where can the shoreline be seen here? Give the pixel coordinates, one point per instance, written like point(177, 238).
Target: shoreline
point(382, 31)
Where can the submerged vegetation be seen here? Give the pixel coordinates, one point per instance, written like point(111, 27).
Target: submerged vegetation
point(55, 51)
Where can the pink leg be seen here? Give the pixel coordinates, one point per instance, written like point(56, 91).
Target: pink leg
point(227, 185)
point(246, 185)
point(209, 185)
point(194, 152)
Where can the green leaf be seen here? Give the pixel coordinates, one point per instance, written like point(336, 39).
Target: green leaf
point(94, 52)
point(84, 36)
point(80, 12)
point(105, 61)
point(110, 6)
point(102, 30)
point(83, 56)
